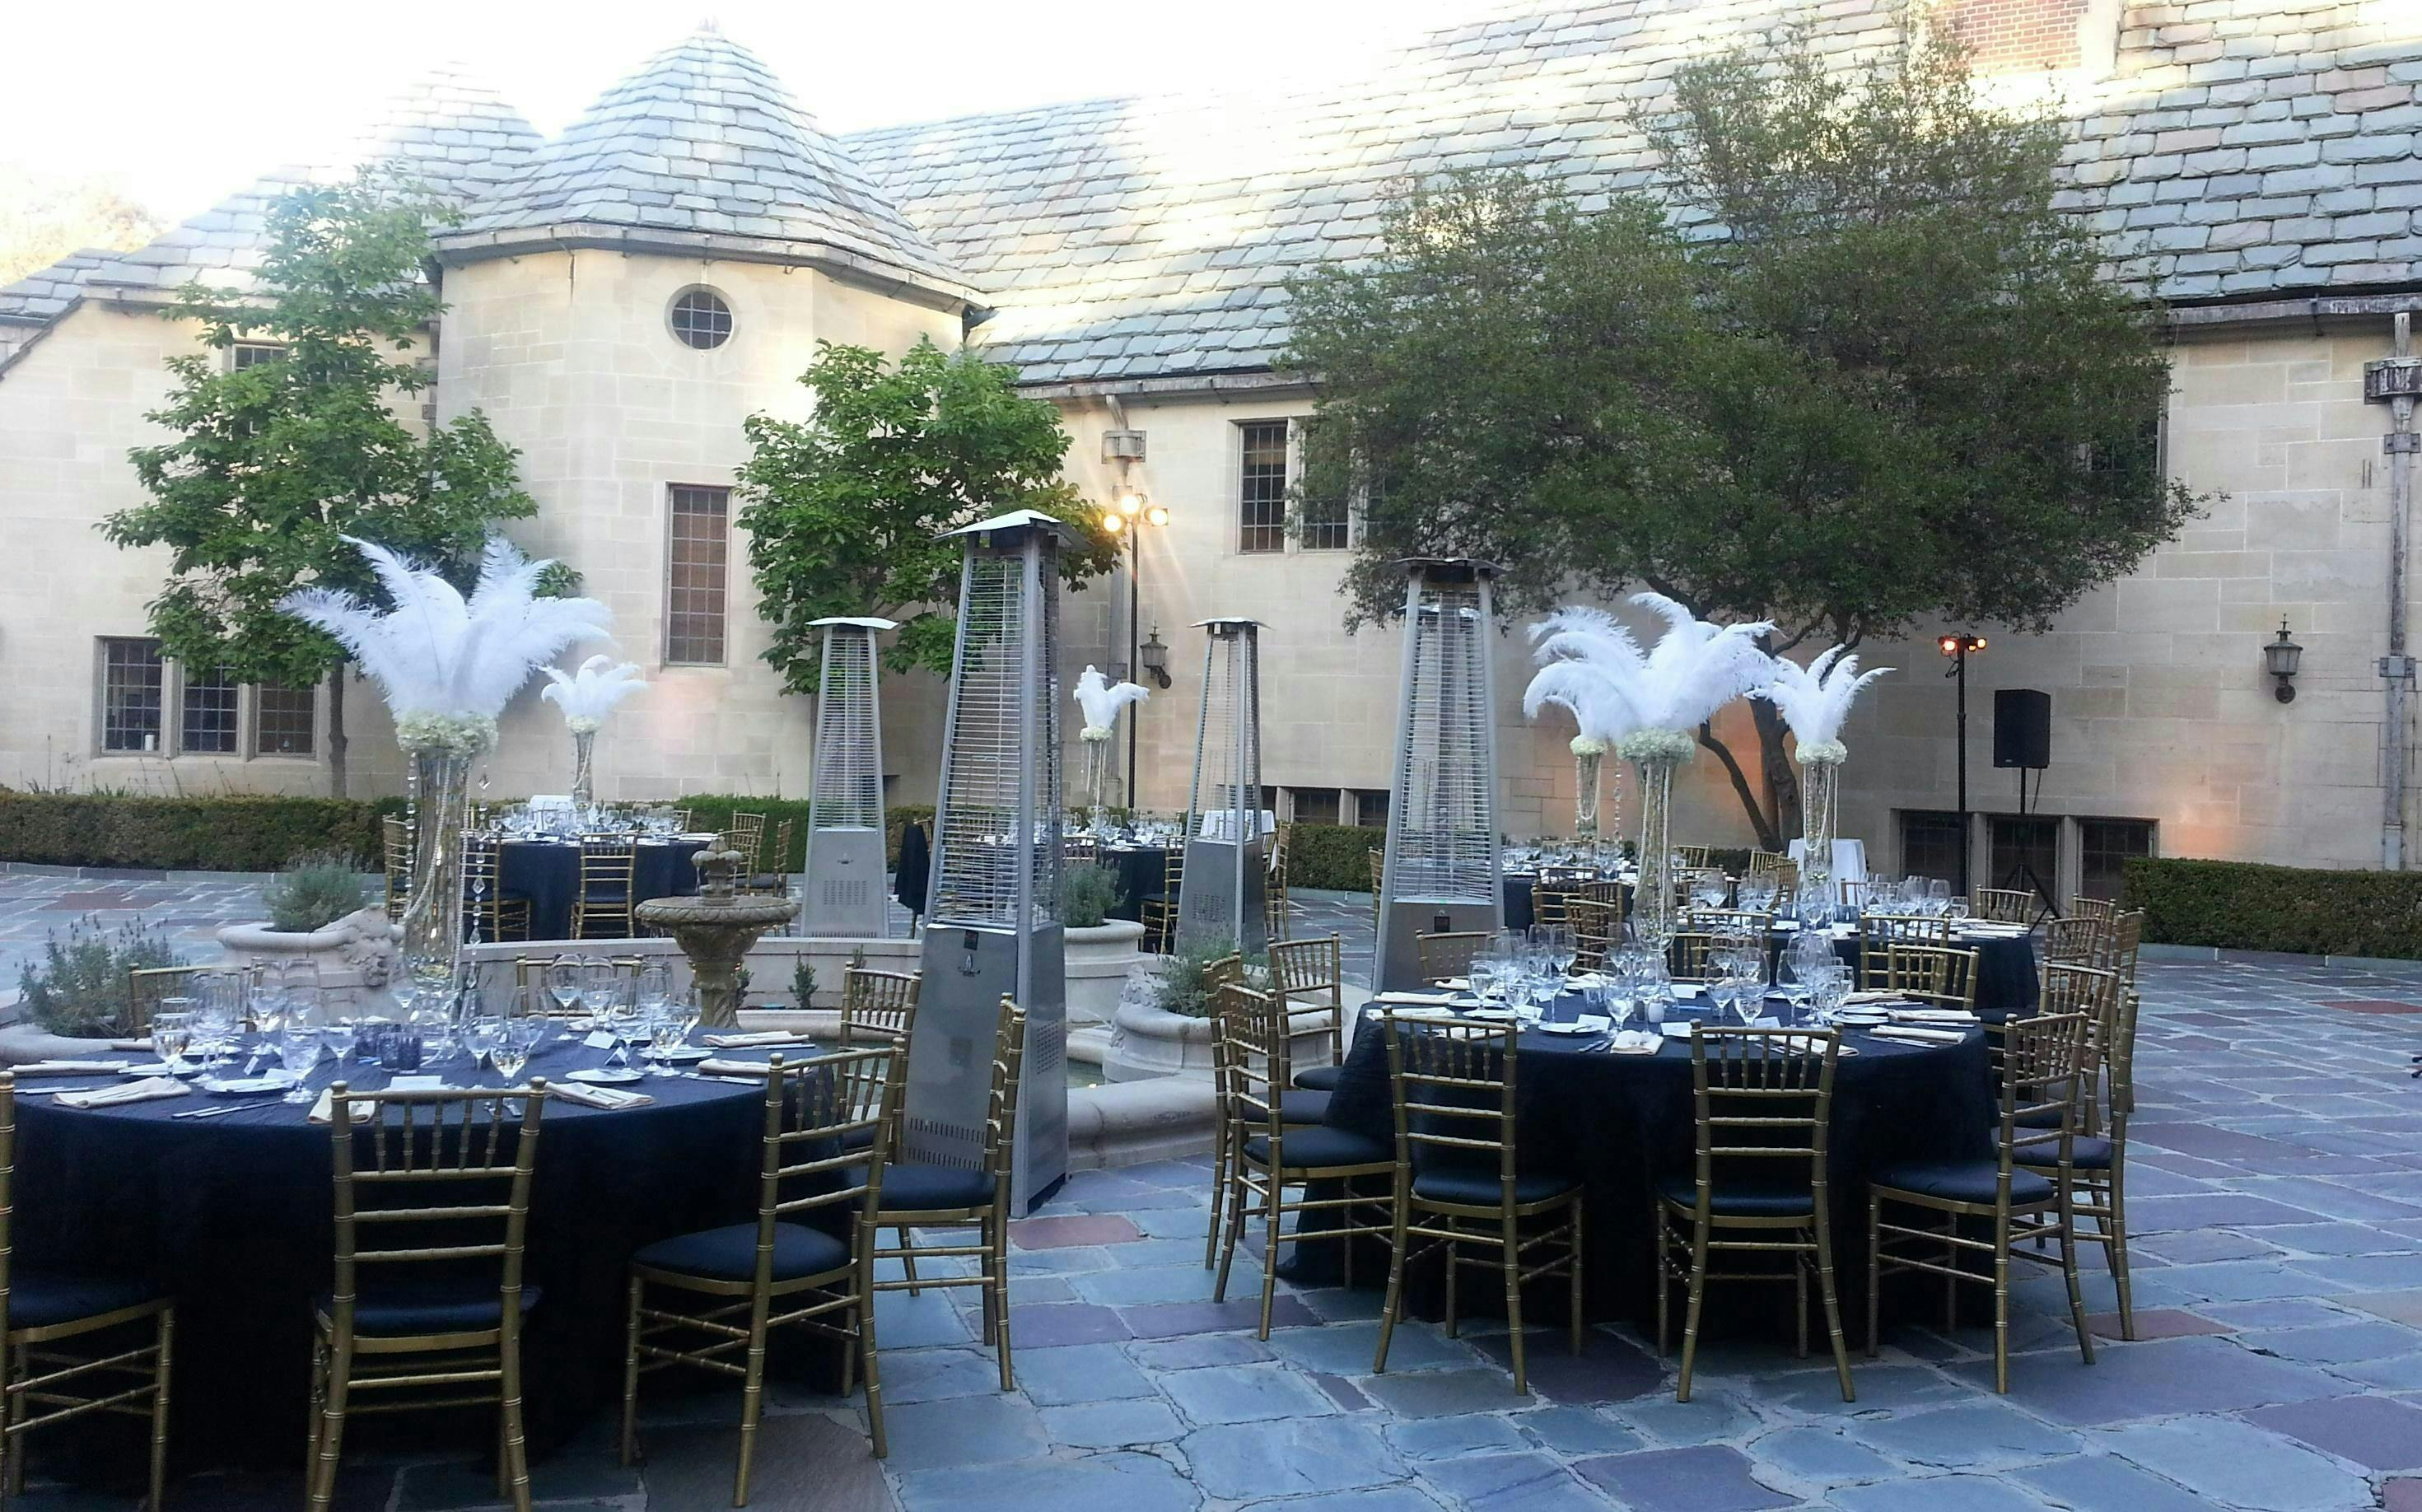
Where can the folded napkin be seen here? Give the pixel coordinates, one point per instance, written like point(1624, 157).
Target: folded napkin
point(133, 1091)
point(610, 1098)
point(1933, 1016)
point(70, 1069)
point(1455, 984)
point(1421, 1000)
point(1635, 1041)
point(324, 1111)
point(732, 1068)
point(1677, 1029)
point(1913, 1034)
point(1873, 994)
point(750, 1040)
point(129, 1045)
point(1994, 931)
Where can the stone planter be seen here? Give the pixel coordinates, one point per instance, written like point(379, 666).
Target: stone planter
point(1100, 960)
point(1149, 1042)
point(357, 954)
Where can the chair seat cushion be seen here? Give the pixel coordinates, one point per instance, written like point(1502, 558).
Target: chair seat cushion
point(605, 895)
point(2085, 1154)
point(1296, 1107)
point(1739, 1199)
point(37, 1300)
point(1319, 1079)
point(1476, 1184)
point(914, 1187)
point(399, 1308)
point(1962, 1181)
point(1317, 1144)
point(729, 1253)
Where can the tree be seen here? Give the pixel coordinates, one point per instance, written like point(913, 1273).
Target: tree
point(842, 509)
point(273, 463)
point(42, 220)
point(1852, 368)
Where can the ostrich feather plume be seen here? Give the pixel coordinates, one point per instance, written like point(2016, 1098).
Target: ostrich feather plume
point(1101, 700)
point(590, 693)
point(435, 655)
point(1815, 701)
point(1694, 669)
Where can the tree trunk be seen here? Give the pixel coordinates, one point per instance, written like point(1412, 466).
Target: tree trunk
point(337, 731)
point(1782, 776)
point(1769, 835)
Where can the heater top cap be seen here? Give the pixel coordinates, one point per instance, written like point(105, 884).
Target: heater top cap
point(1227, 624)
point(1447, 569)
point(1013, 523)
point(865, 623)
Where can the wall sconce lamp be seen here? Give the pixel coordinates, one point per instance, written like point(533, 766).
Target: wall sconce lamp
point(1155, 657)
point(2280, 658)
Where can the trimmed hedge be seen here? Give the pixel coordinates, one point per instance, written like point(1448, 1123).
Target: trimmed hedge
point(714, 811)
point(2241, 905)
point(1335, 857)
point(213, 834)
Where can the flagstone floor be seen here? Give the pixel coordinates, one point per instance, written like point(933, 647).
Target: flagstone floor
point(2276, 1190)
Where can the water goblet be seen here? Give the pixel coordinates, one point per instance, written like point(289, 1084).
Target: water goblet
point(656, 987)
point(563, 982)
point(1938, 896)
point(481, 1034)
point(511, 1051)
point(298, 1048)
point(172, 1029)
point(341, 1035)
point(665, 1036)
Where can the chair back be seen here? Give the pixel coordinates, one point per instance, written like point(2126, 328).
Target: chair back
point(1763, 1101)
point(746, 833)
point(1252, 1059)
point(436, 1179)
point(1312, 972)
point(1879, 933)
point(2082, 906)
point(1452, 1083)
point(1852, 892)
point(147, 985)
point(395, 851)
point(1756, 921)
point(1079, 850)
point(1936, 974)
point(2120, 945)
point(1695, 857)
point(1551, 902)
point(2075, 941)
point(1786, 878)
point(1173, 870)
point(878, 1006)
point(1274, 892)
point(8, 1186)
point(2043, 1060)
point(1766, 860)
point(2003, 906)
point(607, 864)
point(1691, 955)
point(829, 1126)
point(685, 820)
point(1597, 931)
point(1449, 954)
point(1000, 1105)
point(775, 864)
point(2095, 995)
point(1606, 890)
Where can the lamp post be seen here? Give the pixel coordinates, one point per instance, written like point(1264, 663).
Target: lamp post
point(1127, 516)
point(1958, 648)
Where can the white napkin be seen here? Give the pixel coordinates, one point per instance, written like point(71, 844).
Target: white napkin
point(1873, 994)
point(129, 1045)
point(1679, 1028)
point(1418, 1000)
point(1911, 1034)
point(610, 1098)
point(324, 1111)
point(1933, 1016)
point(133, 1091)
point(71, 1068)
point(750, 1040)
point(734, 1068)
point(1635, 1041)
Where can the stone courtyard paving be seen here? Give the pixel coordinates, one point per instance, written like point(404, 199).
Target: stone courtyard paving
point(2276, 1194)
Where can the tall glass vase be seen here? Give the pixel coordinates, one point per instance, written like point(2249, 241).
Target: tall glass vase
point(1820, 784)
point(432, 914)
point(1652, 895)
point(584, 775)
point(1097, 777)
point(1585, 764)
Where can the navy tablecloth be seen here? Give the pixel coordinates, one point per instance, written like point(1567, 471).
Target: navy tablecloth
point(1141, 871)
point(2005, 974)
point(233, 1216)
point(547, 872)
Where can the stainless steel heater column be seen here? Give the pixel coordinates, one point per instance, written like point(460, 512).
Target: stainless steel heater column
point(846, 859)
point(991, 923)
point(1441, 872)
point(1220, 900)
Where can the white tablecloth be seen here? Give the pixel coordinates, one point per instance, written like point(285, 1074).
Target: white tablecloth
point(1849, 858)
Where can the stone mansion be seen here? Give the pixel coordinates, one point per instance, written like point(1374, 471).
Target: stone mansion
point(621, 296)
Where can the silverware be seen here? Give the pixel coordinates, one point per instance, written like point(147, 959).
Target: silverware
point(225, 1109)
point(709, 1075)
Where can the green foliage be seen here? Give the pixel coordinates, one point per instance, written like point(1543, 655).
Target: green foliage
point(2239, 906)
point(842, 509)
point(213, 834)
point(803, 983)
point(1180, 987)
point(1335, 857)
point(312, 892)
point(1849, 359)
point(1086, 895)
point(80, 987)
point(715, 811)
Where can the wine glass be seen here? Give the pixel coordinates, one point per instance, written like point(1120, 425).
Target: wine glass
point(1938, 897)
point(298, 1046)
point(665, 1036)
point(341, 1035)
point(481, 1035)
point(656, 987)
point(599, 986)
point(172, 1029)
point(511, 1050)
point(563, 982)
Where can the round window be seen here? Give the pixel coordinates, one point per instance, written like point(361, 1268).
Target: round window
point(702, 319)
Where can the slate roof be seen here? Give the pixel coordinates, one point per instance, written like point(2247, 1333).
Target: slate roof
point(703, 141)
point(2262, 148)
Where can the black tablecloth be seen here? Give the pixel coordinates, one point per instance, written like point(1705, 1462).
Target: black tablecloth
point(2005, 974)
point(547, 872)
point(1615, 1120)
point(1141, 871)
point(233, 1216)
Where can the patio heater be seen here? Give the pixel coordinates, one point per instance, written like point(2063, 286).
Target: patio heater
point(1441, 870)
point(992, 921)
point(846, 859)
point(1220, 900)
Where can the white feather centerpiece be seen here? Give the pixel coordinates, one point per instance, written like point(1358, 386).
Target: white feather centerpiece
point(446, 666)
point(1695, 668)
point(1815, 701)
point(1101, 700)
point(1601, 718)
point(587, 696)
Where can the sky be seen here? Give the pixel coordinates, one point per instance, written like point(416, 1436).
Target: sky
point(188, 101)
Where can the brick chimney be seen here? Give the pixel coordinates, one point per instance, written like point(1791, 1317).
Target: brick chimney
point(2031, 36)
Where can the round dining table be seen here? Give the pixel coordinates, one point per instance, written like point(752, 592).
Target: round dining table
point(233, 1216)
point(547, 873)
point(1617, 1122)
point(1141, 870)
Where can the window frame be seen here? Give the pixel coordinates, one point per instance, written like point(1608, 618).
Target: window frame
point(673, 317)
point(2085, 848)
point(258, 723)
point(164, 700)
point(1275, 531)
point(723, 607)
point(188, 684)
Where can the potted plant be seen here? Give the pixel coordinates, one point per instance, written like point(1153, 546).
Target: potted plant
point(79, 989)
point(1163, 1022)
point(1101, 950)
point(315, 912)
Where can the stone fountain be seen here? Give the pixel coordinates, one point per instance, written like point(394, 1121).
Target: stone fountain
point(716, 928)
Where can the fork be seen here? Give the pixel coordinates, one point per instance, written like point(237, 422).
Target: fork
point(225, 1109)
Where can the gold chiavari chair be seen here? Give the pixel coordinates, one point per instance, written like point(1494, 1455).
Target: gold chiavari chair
point(2074, 941)
point(1766, 860)
point(485, 908)
point(1159, 910)
point(1598, 932)
point(1312, 973)
point(607, 868)
point(2121, 944)
point(829, 1129)
point(2082, 906)
point(1695, 858)
point(1225, 1136)
point(395, 852)
point(48, 1370)
point(2098, 1156)
point(921, 1195)
point(1852, 891)
point(770, 873)
point(1691, 955)
point(1879, 933)
point(685, 820)
point(2024, 1188)
point(1378, 874)
point(1460, 1184)
point(147, 985)
point(1079, 850)
point(1938, 975)
point(1275, 913)
point(1282, 1153)
point(1606, 890)
point(746, 833)
point(878, 1006)
point(1763, 1100)
point(445, 1197)
point(1551, 904)
point(1450, 953)
point(2003, 906)
point(1757, 922)
point(530, 973)
point(1786, 878)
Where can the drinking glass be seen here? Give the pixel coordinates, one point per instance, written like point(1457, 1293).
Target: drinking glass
point(298, 1047)
point(341, 1035)
point(656, 987)
point(1707, 892)
point(1938, 896)
point(172, 1029)
point(481, 1034)
point(1956, 909)
point(665, 1036)
point(563, 982)
point(600, 986)
point(513, 1050)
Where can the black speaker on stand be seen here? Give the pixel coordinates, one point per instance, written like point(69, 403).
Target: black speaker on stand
point(2022, 739)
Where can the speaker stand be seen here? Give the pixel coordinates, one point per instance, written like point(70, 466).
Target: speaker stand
point(2024, 873)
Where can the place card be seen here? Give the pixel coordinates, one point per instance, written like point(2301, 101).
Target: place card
point(602, 1039)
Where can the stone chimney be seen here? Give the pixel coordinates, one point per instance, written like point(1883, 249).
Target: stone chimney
point(2032, 36)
